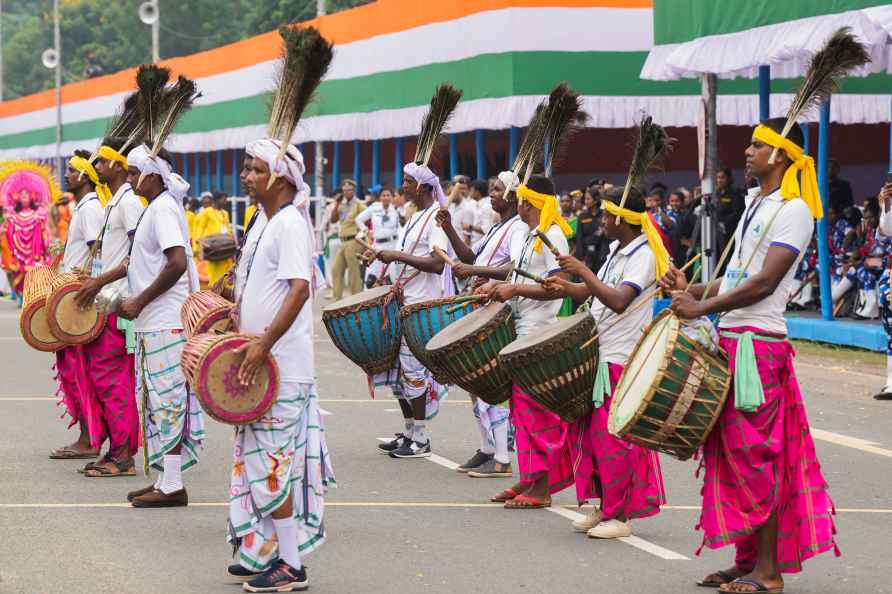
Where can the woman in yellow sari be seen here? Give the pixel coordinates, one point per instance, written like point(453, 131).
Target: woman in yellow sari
point(212, 221)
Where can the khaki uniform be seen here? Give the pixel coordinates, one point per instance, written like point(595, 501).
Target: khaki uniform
point(348, 254)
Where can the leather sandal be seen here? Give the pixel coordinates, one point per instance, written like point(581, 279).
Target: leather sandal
point(112, 468)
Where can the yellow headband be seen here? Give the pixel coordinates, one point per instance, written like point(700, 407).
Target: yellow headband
point(654, 240)
point(107, 152)
point(549, 215)
point(801, 163)
point(84, 166)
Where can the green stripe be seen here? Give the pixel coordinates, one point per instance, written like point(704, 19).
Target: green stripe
point(487, 76)
point(677, 21)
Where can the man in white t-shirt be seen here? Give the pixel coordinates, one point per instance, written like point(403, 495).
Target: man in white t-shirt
point(462, 210)
point(484, 212)
point(281, 466)
point(418, 271)
point(385, 223)
point(110, 364)
point(78, 398)
point(625, 478)
point(764, 491)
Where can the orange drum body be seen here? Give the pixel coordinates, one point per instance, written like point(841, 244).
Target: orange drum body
point(205, 311)
point(211, 366)
point(33, 322)
point(68, 322)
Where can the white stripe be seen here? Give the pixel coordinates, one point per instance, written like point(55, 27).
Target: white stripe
point(850, 442)
point(324, 412)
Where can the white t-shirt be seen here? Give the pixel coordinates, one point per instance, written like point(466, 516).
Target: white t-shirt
point(163, 226)
point(250, 244)
point(86, 223)
point(494, 249)
point(418, 238)
point(121, 215)
point(635, 266)
point(462, 216)
point(484, 216)
point(385, 223)
point(791, 229)
point(284, 252)
point(530, 314)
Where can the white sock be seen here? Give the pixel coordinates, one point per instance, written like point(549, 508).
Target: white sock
point(286, 531)
point(420, 434)
point(500, 432)
point(410, 427)
point(173, 478)
point(888, 385)
point(159, 481)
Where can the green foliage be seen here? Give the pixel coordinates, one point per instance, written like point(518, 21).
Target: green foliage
point(114, 33)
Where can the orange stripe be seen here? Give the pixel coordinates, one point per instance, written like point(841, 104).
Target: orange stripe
point(364, 22)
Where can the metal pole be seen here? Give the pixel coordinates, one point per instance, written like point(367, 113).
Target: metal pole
point(376, 162)
point(357, 162)
point(709, 89)
point(335, 165)
point(319, 158)
point(513, 140)
point(219, 163)
point(453, 155)
point(198, 179)
point(398, 163)
point(156, 33)
point(210, 174)
point(764, 92)
point(57, 43)
point(546, 163)
point(480, 149)
point(235, 171)
point(805, 146)
point(824, 185)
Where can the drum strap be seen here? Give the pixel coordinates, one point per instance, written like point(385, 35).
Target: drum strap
point(399, 281)
point(749, 394)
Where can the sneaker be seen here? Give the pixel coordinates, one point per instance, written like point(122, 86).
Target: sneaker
point(611, 529)
point(491, 469)
point(412, 449)
point(588, 522)
point(280, 577)
point(476, 461)
point(393, 444)
point(237, 574)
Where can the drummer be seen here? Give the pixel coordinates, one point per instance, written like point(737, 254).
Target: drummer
point(764, 491)
point(77, 395)
point(419, 275)
point(280, 464)
point(490, 258)
point(543, 463)
point(161, 274)
point(626, 478)
point(109, 362)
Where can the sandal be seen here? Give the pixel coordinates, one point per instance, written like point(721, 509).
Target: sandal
point(117, 468)
point(726, 578)
point(94, 464)
point(526, 502)
point(759, 587)
point(506, 495)
point(69, 453)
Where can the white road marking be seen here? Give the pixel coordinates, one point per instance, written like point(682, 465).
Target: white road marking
point(324, 412)
point(850, 442)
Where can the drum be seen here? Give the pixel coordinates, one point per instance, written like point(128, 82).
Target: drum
point(671, 392)
point(68, 322)
point(552, 369)
point(421, 321)
point(211, 364)
point(205, 311)
point(366, 328)
point(467, 351)
point(216, 248)
point(33, 323)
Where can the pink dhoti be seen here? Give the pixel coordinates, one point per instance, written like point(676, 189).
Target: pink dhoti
point(764, 462)
point(76, 392)
point(625, 477)
point(111, 374)
point(541, 441)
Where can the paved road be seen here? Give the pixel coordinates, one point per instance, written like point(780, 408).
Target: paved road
point(409, 525)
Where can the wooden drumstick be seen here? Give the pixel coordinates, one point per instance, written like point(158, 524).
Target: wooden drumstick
point(444, 256)
point(547, 243)
point(461, 302)
point(533, 277)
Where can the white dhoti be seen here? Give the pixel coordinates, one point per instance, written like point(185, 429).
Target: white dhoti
point(377, 268)
point(409, 379)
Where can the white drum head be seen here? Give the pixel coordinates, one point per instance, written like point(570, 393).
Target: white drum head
point(641, 371)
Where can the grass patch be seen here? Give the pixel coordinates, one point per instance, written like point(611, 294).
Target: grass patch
point(838, 352)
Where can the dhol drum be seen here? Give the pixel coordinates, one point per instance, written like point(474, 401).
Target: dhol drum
point(211, 365)
point(552, 369)
point(467, 351)
point(421, 321)
point(205, 311)
point(366, 328)
point(33, 322)
point(68, 322)
point(671, 392)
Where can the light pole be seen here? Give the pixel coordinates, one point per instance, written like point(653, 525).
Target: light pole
point(57, 44)
point(150, 14)
point(320, 160)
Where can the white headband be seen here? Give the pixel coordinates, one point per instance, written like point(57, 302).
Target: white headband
point(424, 176)
point(510, 180)
point(291, 166)
point(141, 159)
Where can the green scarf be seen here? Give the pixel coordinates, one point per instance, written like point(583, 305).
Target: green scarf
point(602, 385)
point(749, 394)
point(127, 327)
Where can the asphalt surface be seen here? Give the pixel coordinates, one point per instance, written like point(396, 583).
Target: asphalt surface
point(406, 525)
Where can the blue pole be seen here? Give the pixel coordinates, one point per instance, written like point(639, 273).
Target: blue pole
point(336, 166)
point(890, 139)
point(546, 164)
point(398, 163)
point(805, 135)
point(235, 172)
point(824, 185)
point(219, 160)
point(186, 173)
point(480, 149)
point(376, 162)
point(317, 165)
point(764, 92)
point(198, 180)
point(357, 162)
point(207, 162)
point(453, 155)
point(513, 141)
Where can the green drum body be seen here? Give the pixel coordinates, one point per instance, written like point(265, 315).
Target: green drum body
point(467, 352)
point(366, 328)
point(671, 392)
point(551, 367)
point(422, 321)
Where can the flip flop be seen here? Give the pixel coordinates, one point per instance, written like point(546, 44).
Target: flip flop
point(69, 453)
point(724, 575)
point(120, 469)
point(525, 502)
point(759, 587)
point(506, 495)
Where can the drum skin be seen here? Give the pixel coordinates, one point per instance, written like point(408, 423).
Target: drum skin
point(33, 323)
point(68, 322)
point(421, 321)
point(366, 328)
